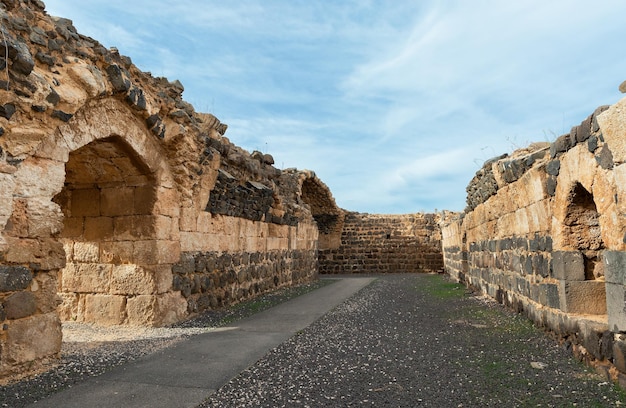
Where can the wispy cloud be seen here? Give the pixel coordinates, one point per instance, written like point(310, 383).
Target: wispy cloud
point(394, 105)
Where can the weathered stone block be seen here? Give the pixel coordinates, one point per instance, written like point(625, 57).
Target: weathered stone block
point(85, 203)
point(159, 310)
point(86, 277)
point(549, 295)
point(86, 252)
point(116, 252)
point(132, 280)
point(20, 305)
point(98, 228)
point(614, 266)
point(14, 278)
point(583, 297)
point(616, 306)
point(25, 342)
point(117, 201)
point(106, 310)
point(568, 265)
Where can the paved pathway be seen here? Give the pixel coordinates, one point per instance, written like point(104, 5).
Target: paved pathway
point(186, 374)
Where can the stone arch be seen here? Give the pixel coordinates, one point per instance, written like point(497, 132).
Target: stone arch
point(120, 212)
point(327, 215)
point(582, 206)
point(582, 230)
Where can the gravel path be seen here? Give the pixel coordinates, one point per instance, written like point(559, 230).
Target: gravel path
point(418, 341)
point(403, 341)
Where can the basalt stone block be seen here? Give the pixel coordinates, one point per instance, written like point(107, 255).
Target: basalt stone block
point(119, 78)
point(592, 144)
point(549, 295)
point(53, 97)
point(605, 158)
point(64, 116)
point(584, 130)
point(553, 167)
point(614, 266)
point(14, 278)
point(568, 266)
point(7, 110)
point(560, 145)
point(136, 98)
point(551, 185)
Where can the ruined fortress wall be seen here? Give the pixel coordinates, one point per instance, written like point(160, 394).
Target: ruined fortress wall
point(120, 204)
point(385, 244)
point(543, 232)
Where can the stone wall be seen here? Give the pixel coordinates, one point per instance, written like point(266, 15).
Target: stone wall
point(120, 204)
point(543, 233)
point(385, 244)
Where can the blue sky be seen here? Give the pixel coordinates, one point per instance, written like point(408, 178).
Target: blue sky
point(394, 104)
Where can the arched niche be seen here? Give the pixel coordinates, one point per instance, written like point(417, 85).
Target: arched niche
point(120, 224)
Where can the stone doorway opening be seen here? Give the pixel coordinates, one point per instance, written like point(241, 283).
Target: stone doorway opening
point(109, 234)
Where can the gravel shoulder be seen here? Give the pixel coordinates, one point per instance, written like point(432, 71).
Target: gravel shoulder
point(418, 341)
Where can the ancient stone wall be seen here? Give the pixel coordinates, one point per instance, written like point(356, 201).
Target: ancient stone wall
point(543, 232)
point(385, 244)
point(120, 204)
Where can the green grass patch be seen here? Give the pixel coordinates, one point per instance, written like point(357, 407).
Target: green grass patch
point(441, 288)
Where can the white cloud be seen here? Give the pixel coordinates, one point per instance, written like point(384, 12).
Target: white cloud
point(394, 105)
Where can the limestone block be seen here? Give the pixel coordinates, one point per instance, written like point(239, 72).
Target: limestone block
point(99, 229)
point(168, 202)
point(44, 218)
point(71, 94)
point(44, 287)
point(278, 231)
point(612, 124)
point(86, 251)
point(25, 342)
point(86, 277)
point(132, 280)
point(117, 201)
point(106, 310)
point(159, 310)
point(162, 227)
point(568, 266)
point(23, 141)
point(85, 203)
point(53, 148)
point(68, 309)
point(38, 177)
point(156, 251)
point(116, 252)
point(228, 243)
point(7, 187)
point(205, 222)
point(73, 227)
point(89, 77)
point(188, 219)
point(21, 251)
point(163, 277)
point(134, 227)
point(583, 297)
point(144, 197)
